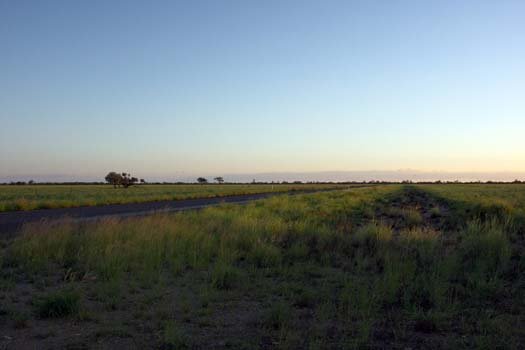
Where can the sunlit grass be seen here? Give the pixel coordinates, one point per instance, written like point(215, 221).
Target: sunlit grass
point(189, 240)
point(63, 196)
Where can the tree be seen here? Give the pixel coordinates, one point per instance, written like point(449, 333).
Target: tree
point(125, 179)
point(202, 180)
point(114, 179)
point(219, 179)
point(142, 181)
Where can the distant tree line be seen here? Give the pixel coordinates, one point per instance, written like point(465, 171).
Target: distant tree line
point(133, 180)
point(203, 180)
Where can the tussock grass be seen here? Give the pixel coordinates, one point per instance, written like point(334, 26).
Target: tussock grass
point(278, 316)
point(174, 337)
point(412, 217)
point(197, 240)
point(372, 235)
point(485, 247)
point(58, 304)
point(435, 212)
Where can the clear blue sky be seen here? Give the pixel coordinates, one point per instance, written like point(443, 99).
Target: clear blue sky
point(172, 88)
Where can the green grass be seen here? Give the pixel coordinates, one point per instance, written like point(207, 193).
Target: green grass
point(29, 197)
point(327, 270)
point(481, 200)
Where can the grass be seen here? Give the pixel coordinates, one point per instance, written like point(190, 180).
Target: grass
point(173, 337)
point(332, 270)
point(278, 316)
point(29, 197)
point(58, 304)
point(412, 216)
point(223, 276)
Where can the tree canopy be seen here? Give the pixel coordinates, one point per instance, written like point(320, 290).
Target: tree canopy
point(202, 180)
point(117, 180)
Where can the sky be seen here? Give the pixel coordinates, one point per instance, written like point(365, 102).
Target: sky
point(174, 89)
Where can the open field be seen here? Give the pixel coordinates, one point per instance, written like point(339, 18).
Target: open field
point(420, 267)
point(29, 197)
point(11, 222)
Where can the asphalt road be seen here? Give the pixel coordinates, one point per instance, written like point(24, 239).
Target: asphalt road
point(11, 222)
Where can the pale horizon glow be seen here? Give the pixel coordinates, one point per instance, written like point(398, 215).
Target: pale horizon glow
point(173, 89)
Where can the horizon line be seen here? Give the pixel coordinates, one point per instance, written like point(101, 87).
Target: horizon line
point(398, 175)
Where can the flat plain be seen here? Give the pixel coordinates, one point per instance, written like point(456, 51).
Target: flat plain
point(397, 266)
point(29, 197)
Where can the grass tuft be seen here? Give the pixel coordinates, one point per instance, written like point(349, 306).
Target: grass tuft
point(173, 337)
point(58, 304)
point(372, 235)
point(224, 276)
point(278, 316)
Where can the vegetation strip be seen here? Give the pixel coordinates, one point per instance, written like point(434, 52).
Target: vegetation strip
point(30, 197)
point(11, 222)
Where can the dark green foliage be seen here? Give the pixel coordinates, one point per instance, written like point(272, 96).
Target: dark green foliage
point(113, 178)
point(202, 180)
point(117, 180)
